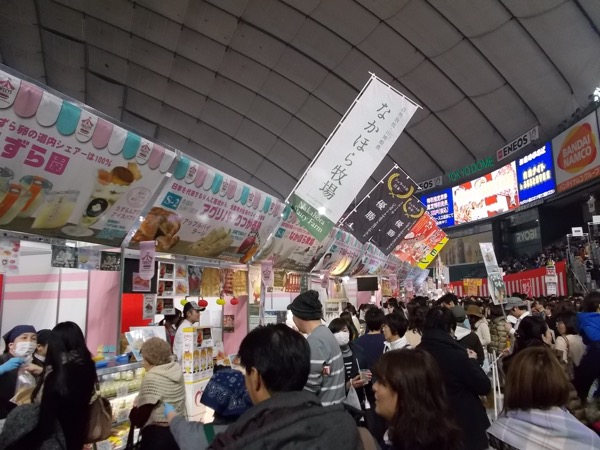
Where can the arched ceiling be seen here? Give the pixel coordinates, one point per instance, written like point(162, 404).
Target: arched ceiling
point(254, 87)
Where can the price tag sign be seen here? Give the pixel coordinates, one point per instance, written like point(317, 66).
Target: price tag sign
point(122, 390)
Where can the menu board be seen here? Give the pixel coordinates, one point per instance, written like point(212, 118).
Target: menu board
point(440, 206)
point(424, 236)
point(202, 212)
point(341, 254)
point(487, 196)
point(535, 175)
point(292, 247)
point(65, 172)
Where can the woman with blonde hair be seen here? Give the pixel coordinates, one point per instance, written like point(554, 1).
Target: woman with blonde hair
point(534, 415)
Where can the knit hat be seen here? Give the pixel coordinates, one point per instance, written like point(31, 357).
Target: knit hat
point(307, 306)
point(156, 351)
point(17, 331)
point(226, 393)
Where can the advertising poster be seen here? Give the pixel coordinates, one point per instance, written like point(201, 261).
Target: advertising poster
point(535, 175)
point(88, 258)
point(292, 247)
point(372, 262)
point(67, 173)
point(110, 261)
point(194, 274)
point(387, 214)
point(497, 288)
point(487, 196)
point(422, 239)
point(471, 286)
point(149, 306)
point(64, 257)
point(228, 323)
point(489, 257)
point(139, 284)
point(343, 252)
point(366, 133)
point(575, 151)
point(9, 256)
point(202, 212)
point(440, 206)
point(428, 259)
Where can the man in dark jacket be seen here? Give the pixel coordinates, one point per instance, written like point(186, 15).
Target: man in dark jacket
point(276, 360)
point(465, 381)
point(465, 337)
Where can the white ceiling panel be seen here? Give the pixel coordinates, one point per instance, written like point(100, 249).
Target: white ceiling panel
point(65, 62)
point(258, 184)
point(234, 7)
point(156, 28)
point(173, 9)
point(269, 115)
point(592, 9)
point(336, 93)
point(324, 46)
point(243, 70)
point(356, 67)
point(210, 137)
point(172, 139)
point(221, 117)
point(305, 6)
point(200, 49)
point(275, 16)
point(276, 178)
point(210, 21)
point(248, 40)
point(283, 92)
point(201, 153)
point(177, 120)
point(232, 95)
point(116, 12)
point(473, 18)
point(196, 77)
point(184, 99)
point(300, 69)
point(234, 170)
point(255, 137)
point(107, 37)
point(303, 138)
point(530, 8)
point(243, 156)
point(472, 128)
point(22, 49)
point(104, 96)
point(288, 158)
point(107, 64)
point(384, 9)
point(346, 18)
point(143, 105)
point(55, 16)
point(151, 56)
point(408, 155)
point(139, 124)
point(319, 115)
point(146, 81)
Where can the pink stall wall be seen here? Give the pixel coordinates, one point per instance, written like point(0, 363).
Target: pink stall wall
point(232, 341)
point(103, 309)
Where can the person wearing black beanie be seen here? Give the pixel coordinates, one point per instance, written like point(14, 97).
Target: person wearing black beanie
point(326, 378)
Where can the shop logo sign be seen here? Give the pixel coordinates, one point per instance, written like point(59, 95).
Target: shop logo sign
point(578, 149)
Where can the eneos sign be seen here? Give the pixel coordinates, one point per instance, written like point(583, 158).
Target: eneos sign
point(575, 151)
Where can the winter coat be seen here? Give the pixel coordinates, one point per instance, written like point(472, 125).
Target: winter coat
point(589, 367)
point(498, 334)
point(465, 382)
point(469, 340)
point(291, 421)
point(482, 329)
point(19, 430)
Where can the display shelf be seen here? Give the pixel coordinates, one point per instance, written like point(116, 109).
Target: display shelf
point(113, 367)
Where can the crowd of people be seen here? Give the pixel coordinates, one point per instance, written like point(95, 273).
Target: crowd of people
point(411, 376)
point(555, 252)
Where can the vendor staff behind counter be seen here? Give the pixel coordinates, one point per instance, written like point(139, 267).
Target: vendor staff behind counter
point(20, 342)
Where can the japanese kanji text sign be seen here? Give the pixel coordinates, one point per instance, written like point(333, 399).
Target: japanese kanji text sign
point(351, 154)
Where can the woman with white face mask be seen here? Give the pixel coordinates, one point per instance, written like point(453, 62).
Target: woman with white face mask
point(21, 342)
point(353, 357)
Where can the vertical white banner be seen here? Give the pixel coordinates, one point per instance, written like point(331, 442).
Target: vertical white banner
point(147, 253)
point(266, 269)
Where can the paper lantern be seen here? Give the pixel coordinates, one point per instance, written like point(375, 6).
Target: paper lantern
point(234, 301)
point(220, 301)
point(202, 303)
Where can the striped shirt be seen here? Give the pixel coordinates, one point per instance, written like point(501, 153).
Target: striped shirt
point(327, 377)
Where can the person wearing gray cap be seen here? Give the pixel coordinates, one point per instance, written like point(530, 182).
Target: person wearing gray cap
point(327, 373)
point(516, 307)
point(191, 312)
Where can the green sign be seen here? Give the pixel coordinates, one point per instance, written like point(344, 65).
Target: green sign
point(471, 169)
point(317, 225)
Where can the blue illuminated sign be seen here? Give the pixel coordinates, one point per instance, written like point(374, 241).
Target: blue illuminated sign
point(535, 175)
point(439, 205)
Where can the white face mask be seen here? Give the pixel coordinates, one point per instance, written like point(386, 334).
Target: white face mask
point(24, 349)
point(343, 337)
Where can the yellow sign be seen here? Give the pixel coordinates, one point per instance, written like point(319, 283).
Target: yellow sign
point(471, 285)
point(424, 263)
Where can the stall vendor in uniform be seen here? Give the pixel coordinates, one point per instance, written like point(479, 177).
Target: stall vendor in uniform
point(21, 342)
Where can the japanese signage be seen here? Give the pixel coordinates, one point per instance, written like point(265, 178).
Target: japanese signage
point(466, 171)
point(440, 206)
point(292, 247)
point(372, 262)
point(535, 175)
point(576, 158)
point(420, 242)
point(496, 285)
point(386, 215)
point(202, 212)
point(266, 273)
point(431, 183)
point(492, 194)
point(521, 142)
point(341, 254)
point(146, 268)
point(351, 154)
point(428, 258)
point(64, 172)
point(471, 285)
point(149, 306)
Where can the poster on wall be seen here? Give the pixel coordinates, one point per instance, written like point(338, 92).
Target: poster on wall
point(10, 250)
point(194, 274)
point(487, 196)
point(88, 258)
point(138, 284)
point(110, 261)
point(387, 214)
point(64, 257)
point(366, 133)
point(575, 151)
point(67, 173)
point(168, 306)
point(202, 212)
point(149, 306)
point(228, 323)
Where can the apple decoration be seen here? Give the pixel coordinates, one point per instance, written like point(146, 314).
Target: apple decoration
point(202, 303)
point(221, 301)
point(234, 301)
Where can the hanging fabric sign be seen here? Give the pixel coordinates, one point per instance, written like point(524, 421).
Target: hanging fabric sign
point(147, 253)
point(266, 269)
